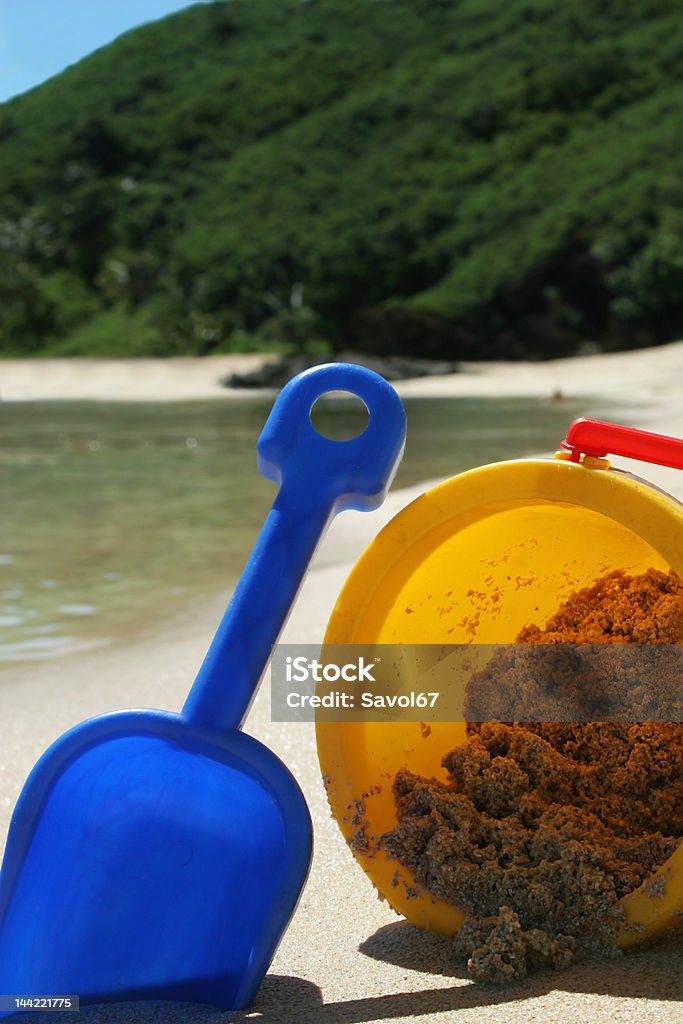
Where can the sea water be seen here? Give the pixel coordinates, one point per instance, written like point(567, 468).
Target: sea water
point(117, 516)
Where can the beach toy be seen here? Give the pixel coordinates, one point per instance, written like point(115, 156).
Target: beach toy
point(472, 561)
point(160, 856)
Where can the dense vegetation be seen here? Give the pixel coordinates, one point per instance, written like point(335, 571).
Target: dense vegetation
point(446, 177)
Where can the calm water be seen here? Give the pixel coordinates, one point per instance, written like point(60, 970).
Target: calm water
point(116, 516)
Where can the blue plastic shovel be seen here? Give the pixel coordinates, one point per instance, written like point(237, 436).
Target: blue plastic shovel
point(161, 856)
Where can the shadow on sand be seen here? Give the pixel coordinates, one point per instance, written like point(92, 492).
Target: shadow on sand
point(652, 973)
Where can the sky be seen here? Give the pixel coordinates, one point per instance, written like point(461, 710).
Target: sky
point(39, 38)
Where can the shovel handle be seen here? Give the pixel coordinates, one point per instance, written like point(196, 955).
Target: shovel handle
point(317, 478)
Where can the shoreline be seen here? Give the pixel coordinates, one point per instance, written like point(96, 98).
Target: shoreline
point(652, 375)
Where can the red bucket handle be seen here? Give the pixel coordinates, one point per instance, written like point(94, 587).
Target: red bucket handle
point(598, 439)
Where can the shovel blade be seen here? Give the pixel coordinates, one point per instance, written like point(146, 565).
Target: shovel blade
point(148, 863)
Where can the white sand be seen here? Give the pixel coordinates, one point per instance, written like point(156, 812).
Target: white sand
point(121, 380)
point(653, 376)
point(347, 958)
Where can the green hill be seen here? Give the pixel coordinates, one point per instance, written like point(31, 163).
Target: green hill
point(462, 178)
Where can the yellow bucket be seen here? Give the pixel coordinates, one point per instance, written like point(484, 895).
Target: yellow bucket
point(474, 560)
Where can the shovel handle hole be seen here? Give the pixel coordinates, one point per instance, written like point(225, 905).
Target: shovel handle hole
point(339, 416)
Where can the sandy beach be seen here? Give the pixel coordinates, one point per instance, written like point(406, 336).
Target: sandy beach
point(652, 377)
point(346, 958)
